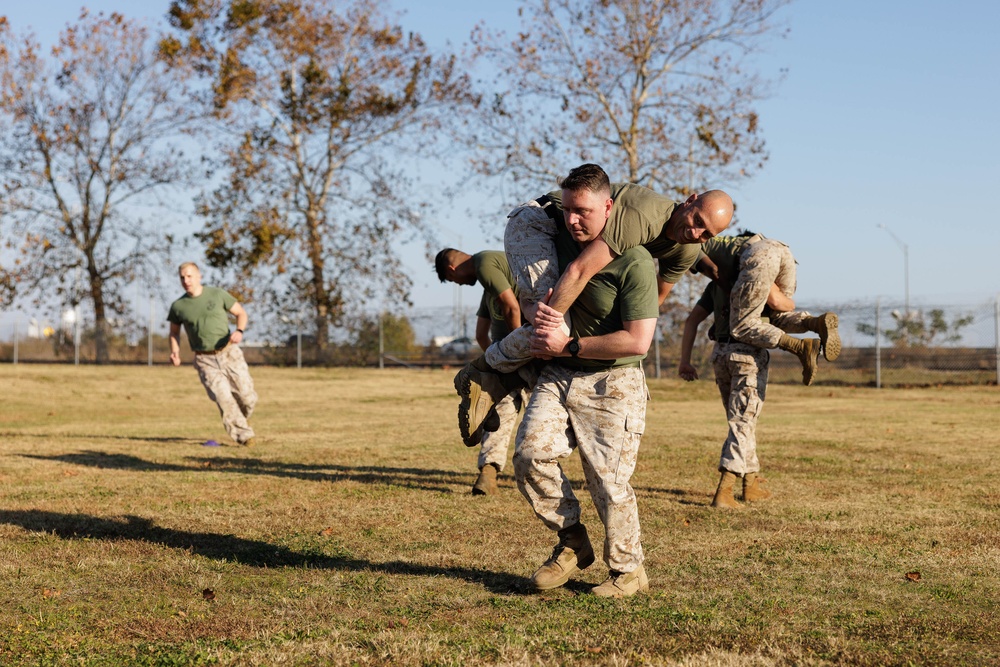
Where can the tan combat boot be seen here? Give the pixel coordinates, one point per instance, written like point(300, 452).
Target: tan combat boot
point(572, 554)
point(807, 350)
point(622, 584)
point(724, 493)
point(486, 484)
point(829, 336)
point(480, 391)
point(752, 489)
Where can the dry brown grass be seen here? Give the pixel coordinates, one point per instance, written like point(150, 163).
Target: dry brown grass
point(347, 536)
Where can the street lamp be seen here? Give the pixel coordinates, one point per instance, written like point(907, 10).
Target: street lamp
point(906, 268)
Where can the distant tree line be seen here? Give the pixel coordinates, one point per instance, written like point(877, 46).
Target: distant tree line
point(296, 129)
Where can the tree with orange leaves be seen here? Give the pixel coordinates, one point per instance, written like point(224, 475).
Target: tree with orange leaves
point(318, 104)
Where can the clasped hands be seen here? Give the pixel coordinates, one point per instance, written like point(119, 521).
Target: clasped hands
point(549, 339)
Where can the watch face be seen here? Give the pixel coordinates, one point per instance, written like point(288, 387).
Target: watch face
point(574, 347)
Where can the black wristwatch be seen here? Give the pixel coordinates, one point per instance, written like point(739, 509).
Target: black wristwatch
point(574, 346)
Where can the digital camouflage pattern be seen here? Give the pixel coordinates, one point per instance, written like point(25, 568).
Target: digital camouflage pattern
point(495, 444)
point(227, 381)
point(741, 375)
point(762, 263)
point(602, 414)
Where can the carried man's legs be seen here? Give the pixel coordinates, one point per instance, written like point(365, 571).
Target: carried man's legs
point(765, 262)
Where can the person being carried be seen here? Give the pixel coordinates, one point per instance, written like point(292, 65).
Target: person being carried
point(590, 397)
point(498, 315)
point(636, 216)
point(204, 311)
point(758, 269)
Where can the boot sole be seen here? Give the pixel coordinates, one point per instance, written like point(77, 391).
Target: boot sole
point(831, 342)
point(474, 400)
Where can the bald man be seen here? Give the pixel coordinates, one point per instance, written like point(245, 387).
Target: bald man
point(671, 231)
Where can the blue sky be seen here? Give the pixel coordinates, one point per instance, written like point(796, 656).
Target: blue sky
point(887, 115)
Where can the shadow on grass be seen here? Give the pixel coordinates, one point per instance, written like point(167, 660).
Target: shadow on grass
point(413, 478)
point(98, 436)
point(232, 548)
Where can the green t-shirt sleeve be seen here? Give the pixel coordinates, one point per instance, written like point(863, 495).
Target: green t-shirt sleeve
point(228, 300)
point(492, 272)
point(677, 261)
point(639, 297)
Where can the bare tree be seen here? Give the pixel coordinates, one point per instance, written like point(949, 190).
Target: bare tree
point(657, 91)
point(85, 153)
point(321, 106)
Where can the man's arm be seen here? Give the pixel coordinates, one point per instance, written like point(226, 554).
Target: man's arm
point(483, 331)
point(777, 300)
point(594, 257)
point(510, 309)
point(241, 323)
point(175, 344)
point(634, 339)
point(663, 289)
point(697, 315)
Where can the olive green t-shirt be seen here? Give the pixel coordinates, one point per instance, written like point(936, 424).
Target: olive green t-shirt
point(623, 291)
point(725, 251)
point(205, 318)
point(639, 217)
point(494, 274)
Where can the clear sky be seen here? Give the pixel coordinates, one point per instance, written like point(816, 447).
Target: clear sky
point(887, 116)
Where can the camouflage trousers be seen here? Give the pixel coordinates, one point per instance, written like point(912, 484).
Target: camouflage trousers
point(602, 414)
point(741, 375)
point(227, 381)
point(529, 242)
point(762, 263)
point(495, 444)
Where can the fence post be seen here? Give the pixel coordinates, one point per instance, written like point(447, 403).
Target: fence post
point(298, 342)
point(17, 322)
point(878, 343)
point(149, 338)
point(996, 337)
point(76, 335)
point(381, 343)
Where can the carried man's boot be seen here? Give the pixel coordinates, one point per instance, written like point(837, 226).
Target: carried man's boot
point(724, 493)
point(753, 489)
point(572, 554)
point(486, 484)
point(829, 337)
point(480, 388)
point(807, 350)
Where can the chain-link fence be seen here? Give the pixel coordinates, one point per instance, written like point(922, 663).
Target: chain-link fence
point(884, 343)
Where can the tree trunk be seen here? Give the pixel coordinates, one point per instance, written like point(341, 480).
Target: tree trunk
point(100, 317)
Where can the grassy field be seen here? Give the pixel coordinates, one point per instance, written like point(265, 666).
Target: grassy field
point(348, 534)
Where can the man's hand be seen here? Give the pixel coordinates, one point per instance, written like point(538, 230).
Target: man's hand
point(548, 343)
point(175, 358)
point(236, 337)
point(547, 317)
point(687, 371)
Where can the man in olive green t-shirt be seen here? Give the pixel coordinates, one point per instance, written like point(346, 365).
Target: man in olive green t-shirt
point(203, 312)
point(635, 216)
point(591, 397)
point(498, 315)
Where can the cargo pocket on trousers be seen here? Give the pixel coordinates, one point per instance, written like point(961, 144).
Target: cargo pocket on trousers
point(634, 426)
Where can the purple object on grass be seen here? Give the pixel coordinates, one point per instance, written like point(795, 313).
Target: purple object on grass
point(210, 443)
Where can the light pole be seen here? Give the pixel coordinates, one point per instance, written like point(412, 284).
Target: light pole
point(906, 268)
